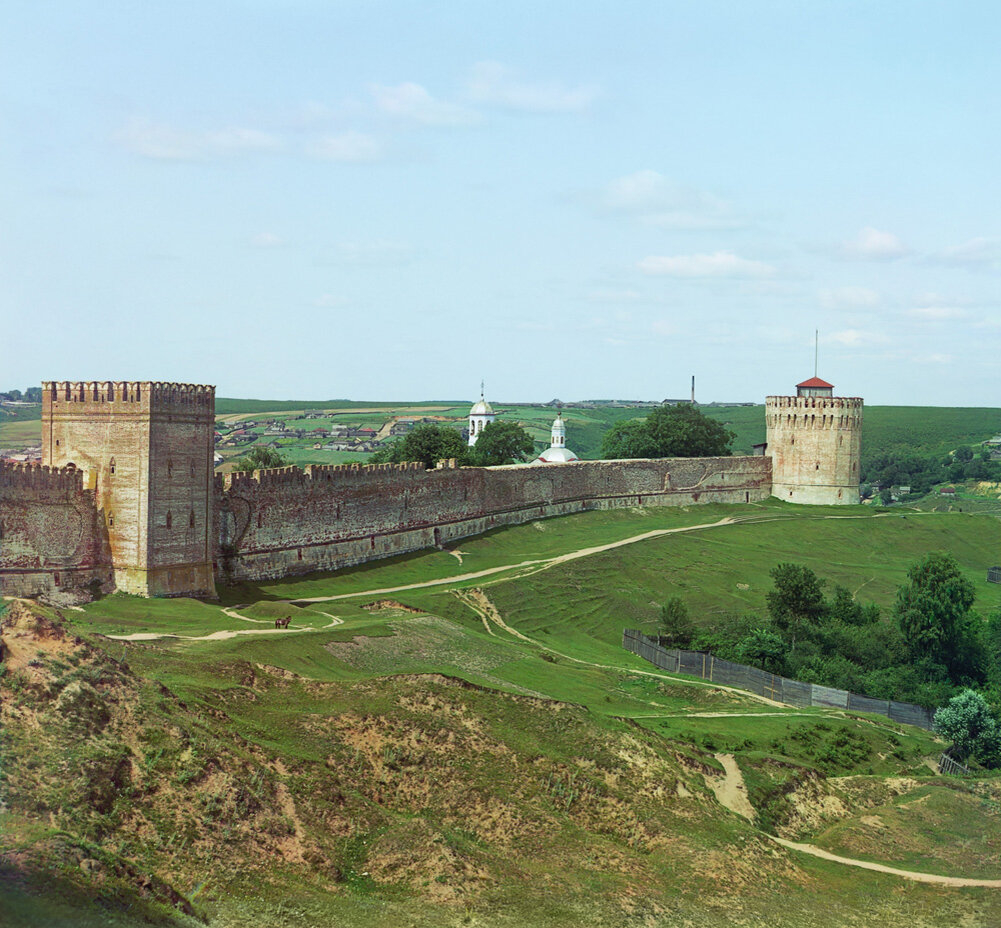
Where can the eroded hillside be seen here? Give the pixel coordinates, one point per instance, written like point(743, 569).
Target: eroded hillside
point(414, 799)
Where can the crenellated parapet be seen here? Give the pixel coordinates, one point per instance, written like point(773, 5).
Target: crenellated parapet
point(813, 412)
point(81, 397)
point(317, 474)
point(41, 477)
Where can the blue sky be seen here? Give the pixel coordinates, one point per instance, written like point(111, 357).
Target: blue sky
point(382, 200)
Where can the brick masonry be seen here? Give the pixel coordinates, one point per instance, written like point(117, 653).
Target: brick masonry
point(127, 498)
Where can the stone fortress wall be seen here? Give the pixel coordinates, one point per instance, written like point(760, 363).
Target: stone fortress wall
point(127, 497)
point(274, 523)
point(52, 536)
point(815, 443)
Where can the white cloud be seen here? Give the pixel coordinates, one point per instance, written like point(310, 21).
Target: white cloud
point(848, 298)
point(933, 358)
point(983, 253)
point(168, 143)
point(494, 84)
point(718, 264)
point(651, 198)
point(266, 240)
point(853, 337)
point(873, 245)
point(663, 327)
point(413, 102)
point(348, 147)
point(936, 313)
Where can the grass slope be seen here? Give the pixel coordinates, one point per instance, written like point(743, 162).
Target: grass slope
point(421, 764)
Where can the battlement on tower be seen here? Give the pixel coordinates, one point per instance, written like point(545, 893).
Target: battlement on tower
point(41, 477)
point(815, 402)
point(814, 412)
point(104, 397)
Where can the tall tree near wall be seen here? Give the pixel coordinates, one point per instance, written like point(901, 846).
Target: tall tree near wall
point(261, 458)
point(428, 443)
point(680, 431)
point(501, 443)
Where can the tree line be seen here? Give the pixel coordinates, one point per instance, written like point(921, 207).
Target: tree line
point(932, 648)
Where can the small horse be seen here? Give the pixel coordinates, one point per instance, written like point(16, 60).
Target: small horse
point(283, 623)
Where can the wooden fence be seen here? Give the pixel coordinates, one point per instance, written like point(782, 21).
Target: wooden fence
point(781, 689)
point(949, 765)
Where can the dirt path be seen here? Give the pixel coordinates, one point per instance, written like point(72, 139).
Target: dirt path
point(732, 793)
point(730, 789)
point(538, 564)
point(478, 601)
point(915, 875)
point(227, 633)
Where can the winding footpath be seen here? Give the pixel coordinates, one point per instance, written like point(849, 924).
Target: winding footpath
point(732, 794)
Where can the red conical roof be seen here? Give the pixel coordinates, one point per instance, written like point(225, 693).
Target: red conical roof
point(815, 382)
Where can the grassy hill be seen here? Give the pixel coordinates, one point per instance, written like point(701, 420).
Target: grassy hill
point(478, 751)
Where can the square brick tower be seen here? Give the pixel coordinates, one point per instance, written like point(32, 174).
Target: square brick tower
point(146, 448)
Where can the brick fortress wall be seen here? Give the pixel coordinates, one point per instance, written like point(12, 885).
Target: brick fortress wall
point(274, 523)
point(52, 536)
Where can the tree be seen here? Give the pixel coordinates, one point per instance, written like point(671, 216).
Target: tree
point(797, 598)
point(931, 605)
point(967, 722)
point(428, 443)
point(676, 627)
point(501, 443)
point(886, 496)
point(628, 439)
point(764, 649)
point(260, 458)
point(845, 608)
point(680, 431)
point(963, 454)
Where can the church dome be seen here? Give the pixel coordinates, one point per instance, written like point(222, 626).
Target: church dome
point(557, 456)
point(481, 408)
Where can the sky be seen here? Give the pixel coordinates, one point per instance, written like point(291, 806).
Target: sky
point(387, 200)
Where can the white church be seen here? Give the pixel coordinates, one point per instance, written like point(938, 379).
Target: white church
point(482, 414)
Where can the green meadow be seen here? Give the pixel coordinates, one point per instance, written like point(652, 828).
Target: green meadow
point(437, 738)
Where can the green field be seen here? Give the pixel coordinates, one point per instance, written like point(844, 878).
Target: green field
point(452, 752)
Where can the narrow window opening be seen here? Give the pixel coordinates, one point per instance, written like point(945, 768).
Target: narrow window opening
point(170, 519)
point(112, 465)
point(111, 519)
point(191, 519)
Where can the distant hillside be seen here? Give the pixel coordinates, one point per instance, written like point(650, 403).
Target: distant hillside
point(225, 406)
point(922, 430)
point(20, 413)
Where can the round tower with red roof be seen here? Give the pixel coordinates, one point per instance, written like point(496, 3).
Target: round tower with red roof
point(815, 443)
